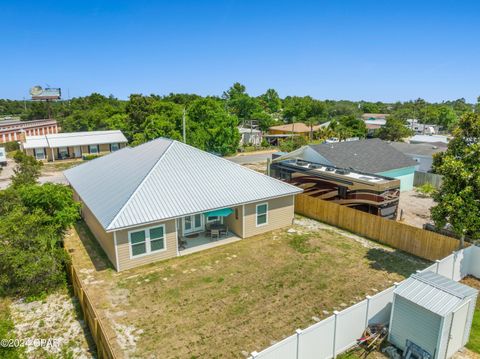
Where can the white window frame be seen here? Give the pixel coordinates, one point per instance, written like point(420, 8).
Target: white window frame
point(148, 247)
point(266, 214)
point(44, 153)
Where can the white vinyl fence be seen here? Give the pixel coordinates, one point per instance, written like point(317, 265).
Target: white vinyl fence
point(339, 332)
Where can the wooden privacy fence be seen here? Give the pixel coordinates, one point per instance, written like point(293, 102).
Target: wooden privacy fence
point(417, 241)
point(104, 348)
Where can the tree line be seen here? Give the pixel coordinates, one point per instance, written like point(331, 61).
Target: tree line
point(211, 121)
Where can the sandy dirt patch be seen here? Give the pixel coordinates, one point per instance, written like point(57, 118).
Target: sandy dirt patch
point(54, 318)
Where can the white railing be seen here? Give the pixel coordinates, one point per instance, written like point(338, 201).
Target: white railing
point(339, 332)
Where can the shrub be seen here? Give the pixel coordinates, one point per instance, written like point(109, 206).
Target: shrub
point(426, 189)
point(292, 143)
point(33, 220)
point(27, 170)
point(89, 157)
point(11, 146)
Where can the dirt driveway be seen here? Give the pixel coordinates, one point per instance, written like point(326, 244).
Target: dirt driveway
point(416, 208)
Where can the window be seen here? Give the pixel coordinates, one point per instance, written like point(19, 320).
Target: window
point(262, 214)
point(39, 153)
point(62, 152)
point(147, 241)
point(138, 243)
point(114, 147)
point(93, 149)
point(157, 239)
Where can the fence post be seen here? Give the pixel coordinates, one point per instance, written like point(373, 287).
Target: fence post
point(368, 308)
point(299, 332)
point(438, 264)
point(335, 312)
point(454, 262)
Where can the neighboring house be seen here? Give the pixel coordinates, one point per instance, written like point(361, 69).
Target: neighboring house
point(375, 116)
point(297, 128)
point(373, 122)
point(420, 152)
point(435, 140)
point(150, 202)
point(250, 136)
point(370, 156)
point(422, 128)
point(73, 145)
point(16, 130)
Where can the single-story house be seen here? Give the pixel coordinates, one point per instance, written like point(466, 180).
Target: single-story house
point(297, 128)
point(250, 136)
point(434, 140)
point(158, 200)
point(375, 117)
point(420, 152)
point(59, 146)
point(369, 156)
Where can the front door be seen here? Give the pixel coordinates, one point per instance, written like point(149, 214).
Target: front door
point(192, 224)
point(77, 151)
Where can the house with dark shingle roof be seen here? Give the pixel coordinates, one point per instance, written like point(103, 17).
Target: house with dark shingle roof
point(371, 156)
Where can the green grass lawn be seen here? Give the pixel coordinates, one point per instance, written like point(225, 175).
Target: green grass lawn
point(474, 342)
point(239, 297)
point(6, 332)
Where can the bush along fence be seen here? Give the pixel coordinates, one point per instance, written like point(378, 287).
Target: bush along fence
point(417, 241)
point(97, 329)
point(339, 332)
point(420, 178)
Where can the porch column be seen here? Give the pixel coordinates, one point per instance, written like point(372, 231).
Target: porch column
point(53, 155)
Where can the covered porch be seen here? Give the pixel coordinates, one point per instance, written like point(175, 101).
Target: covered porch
point(206, 230)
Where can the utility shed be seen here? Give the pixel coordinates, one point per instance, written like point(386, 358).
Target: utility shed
point(433, 312)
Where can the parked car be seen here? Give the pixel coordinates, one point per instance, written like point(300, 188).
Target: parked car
point(3, 157)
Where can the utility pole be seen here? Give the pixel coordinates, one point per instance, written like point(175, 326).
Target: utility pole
point(183, 125)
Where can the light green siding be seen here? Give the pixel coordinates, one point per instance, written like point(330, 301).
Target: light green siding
point(410, 321)
point(405, 175)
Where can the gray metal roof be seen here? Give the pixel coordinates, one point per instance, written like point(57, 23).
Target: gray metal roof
point(434, 292)
point(165, 179)
point(74, 139)
point(372, 156)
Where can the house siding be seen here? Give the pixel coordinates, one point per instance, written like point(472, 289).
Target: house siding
point(235, 225)
point(123, 246)
point(105, 239)
point(280, 214)
point(405, 175)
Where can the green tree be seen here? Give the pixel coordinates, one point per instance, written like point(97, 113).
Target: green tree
point(458, 199)
point(394, 130)
point(447, 118)
point(211, 128)
point(240, 104)
point(293, 143)
point(27, 170)
point(271, 101)
point(356, 127)
point(33, 219)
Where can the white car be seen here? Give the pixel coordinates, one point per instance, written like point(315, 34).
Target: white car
point(3, 157)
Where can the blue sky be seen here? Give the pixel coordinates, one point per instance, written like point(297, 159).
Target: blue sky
point(370, 50)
